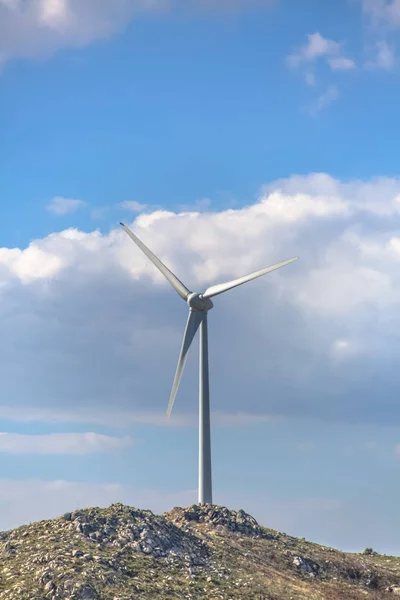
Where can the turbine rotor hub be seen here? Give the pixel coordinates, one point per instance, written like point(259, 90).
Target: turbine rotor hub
point(196, 302)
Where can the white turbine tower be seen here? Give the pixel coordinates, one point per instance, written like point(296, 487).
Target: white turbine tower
point(199, 305)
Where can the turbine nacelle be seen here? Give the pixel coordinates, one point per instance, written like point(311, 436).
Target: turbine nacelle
point(196, 301)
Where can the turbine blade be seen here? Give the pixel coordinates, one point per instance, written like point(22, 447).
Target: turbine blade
point(192, 326)
point(214, 290)
point(174, 281)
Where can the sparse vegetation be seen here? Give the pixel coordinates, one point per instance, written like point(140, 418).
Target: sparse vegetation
point(200, 552)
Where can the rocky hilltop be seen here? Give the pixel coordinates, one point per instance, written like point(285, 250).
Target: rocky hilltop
point(202, 552)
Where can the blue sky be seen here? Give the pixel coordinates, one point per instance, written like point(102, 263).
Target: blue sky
point(229, 135)
point(182, 106)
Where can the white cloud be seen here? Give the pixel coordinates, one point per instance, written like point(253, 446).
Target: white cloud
point(383, 12)
point(379, 196)
point(385, 57)
point(319, 47)
point(316, 47)
point(64, 206)
point(87, 318)
point(30, 264)
point(54, 13)
point(325, 99)
point(133, 206)
point(362, 284)
point(60, 443)
point(38, 28)
point(340, 63)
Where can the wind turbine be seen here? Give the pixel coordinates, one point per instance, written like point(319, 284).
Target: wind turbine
point(199, 305)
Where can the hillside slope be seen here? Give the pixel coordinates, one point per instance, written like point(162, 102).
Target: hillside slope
point(201, 552)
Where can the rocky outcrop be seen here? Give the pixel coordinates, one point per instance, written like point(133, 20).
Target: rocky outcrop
point(196, 553)
point(218, 517)
point(142, 531)
point(305, 565)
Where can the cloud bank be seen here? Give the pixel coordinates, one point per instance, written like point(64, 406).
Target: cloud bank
point(88, 321)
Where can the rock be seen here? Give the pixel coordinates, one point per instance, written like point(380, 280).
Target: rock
point(136, 546)
point(9, 546)
point(49, 586)
point(305, 565)
point(369, 551)
point(394, 589)
point(219, 517)
point(85, 592)
point(45, 576)
point(87, 557)
point(66, 516)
